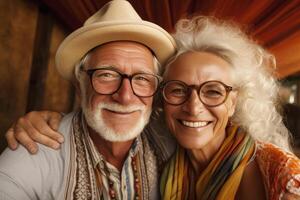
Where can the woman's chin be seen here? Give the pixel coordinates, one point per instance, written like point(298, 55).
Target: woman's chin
point(191, 144)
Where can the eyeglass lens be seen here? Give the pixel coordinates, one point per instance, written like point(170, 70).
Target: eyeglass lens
point(211, 93)
point(109, 81)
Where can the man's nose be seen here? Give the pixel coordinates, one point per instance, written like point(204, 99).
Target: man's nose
point(193, 105)
point(125, 93)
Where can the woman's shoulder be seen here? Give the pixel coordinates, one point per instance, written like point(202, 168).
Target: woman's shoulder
point(280, 170)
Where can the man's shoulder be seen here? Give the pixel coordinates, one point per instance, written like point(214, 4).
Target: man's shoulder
point(20, 159)
point(44, 156)
point(24, 176)
point(37, 174)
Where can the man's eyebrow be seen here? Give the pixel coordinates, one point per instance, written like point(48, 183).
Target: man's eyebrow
point(112, 67)
point(144, 72)
point(104, 67)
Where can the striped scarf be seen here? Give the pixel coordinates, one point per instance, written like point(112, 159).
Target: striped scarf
point(81, 176)
point(221, 178)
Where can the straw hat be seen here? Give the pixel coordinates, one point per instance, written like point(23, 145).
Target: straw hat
point(115, 21)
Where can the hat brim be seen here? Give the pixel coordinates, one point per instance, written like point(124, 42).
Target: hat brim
point(78, 43)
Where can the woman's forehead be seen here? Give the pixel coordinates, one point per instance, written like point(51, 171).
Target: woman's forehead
point(199, 66)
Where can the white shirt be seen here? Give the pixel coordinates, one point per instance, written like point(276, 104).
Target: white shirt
point(44, 175)
point(47, 166)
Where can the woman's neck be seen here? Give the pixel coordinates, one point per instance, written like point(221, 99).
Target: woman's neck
point(200, 158)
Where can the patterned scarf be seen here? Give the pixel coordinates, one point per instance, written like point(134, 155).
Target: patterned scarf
point(221, 178)
point(81, 175)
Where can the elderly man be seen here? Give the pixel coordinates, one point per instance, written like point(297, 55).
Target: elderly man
point(114, 62)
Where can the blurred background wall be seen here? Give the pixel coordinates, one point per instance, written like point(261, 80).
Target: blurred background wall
point(31, 30)
point(29, 37)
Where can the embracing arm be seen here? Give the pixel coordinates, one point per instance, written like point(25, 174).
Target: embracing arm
point(35, 126)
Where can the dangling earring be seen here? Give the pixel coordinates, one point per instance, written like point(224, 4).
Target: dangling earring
point(229, 122)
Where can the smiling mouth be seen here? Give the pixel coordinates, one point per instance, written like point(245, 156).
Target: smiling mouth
point(194, 124)
point(120, 112)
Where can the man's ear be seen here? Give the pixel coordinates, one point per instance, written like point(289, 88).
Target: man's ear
point(233, 101)
point(77, 88)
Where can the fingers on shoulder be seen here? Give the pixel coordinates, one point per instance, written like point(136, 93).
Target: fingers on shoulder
point(10, 138)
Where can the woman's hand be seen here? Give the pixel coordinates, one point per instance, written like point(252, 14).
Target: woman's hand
point(35, 127)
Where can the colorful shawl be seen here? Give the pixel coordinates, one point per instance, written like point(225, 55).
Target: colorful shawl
point(220, 179)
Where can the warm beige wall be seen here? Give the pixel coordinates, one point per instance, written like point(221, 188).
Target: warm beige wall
point(18, 22)
point(16, 17)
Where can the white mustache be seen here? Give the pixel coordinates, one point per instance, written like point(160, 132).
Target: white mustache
point(120, 108)
point(95, 121)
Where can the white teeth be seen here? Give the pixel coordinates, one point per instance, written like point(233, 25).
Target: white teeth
point(194, 124)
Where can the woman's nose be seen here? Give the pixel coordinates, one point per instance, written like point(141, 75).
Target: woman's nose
point(193, 105)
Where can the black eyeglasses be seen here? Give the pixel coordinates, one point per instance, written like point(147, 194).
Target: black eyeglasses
point(211, 93)
point(108, 81)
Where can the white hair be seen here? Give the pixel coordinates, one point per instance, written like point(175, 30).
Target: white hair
point(252, 74)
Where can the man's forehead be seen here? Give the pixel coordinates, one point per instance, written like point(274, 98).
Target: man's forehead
point(122, 53)
point(128, 46)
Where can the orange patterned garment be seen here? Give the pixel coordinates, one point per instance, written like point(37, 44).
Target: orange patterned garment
point(280, 171)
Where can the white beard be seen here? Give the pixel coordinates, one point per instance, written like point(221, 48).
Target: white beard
point(95, 120)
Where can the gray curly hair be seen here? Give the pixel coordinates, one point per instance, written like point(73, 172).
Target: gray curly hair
point(252, 74)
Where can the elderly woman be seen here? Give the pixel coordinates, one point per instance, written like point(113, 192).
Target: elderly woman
point(220, 104)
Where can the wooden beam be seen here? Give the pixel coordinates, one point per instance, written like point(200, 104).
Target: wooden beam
point(40, 59)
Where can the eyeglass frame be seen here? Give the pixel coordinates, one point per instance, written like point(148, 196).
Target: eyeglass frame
point(90, 73)
point(228, 89)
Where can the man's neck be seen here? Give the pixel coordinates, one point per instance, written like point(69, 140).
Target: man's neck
point(114, 152)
